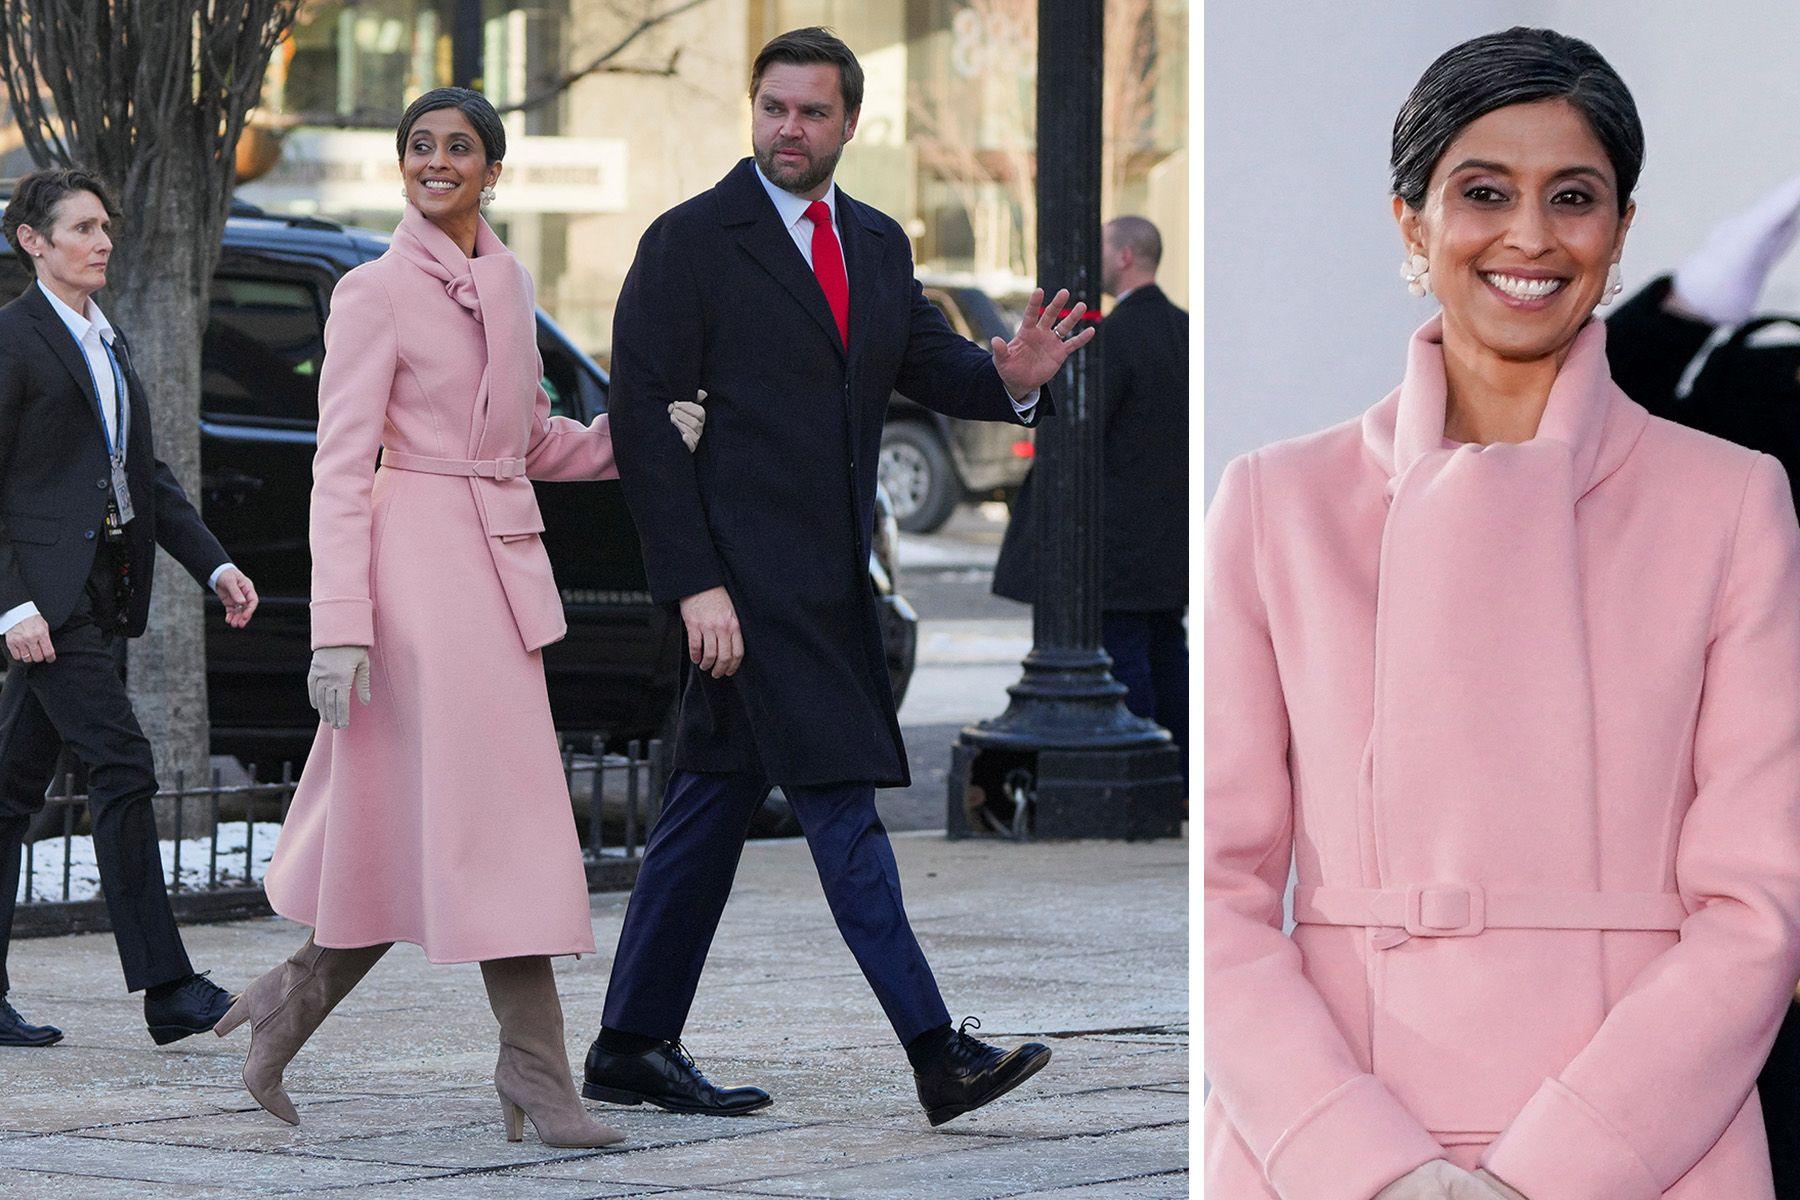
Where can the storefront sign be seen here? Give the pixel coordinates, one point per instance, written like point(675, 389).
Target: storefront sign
point(332, 170)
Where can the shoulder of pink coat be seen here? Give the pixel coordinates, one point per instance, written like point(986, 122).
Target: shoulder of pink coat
point(1701, 467)
point(367, 281)
point(1328, 460)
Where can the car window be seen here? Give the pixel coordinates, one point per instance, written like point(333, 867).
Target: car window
point(14, 278)
point(569, 381)
point(265, 340)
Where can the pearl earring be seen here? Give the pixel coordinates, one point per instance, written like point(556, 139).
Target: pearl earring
point(1615, 283)
point(487, 196)
point(1416, 270)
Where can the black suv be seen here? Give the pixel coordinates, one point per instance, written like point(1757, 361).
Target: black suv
point(617, 673)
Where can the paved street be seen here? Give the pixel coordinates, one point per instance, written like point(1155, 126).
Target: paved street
point(1083, 946)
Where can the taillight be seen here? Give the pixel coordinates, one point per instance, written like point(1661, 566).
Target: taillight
point(1023, 448)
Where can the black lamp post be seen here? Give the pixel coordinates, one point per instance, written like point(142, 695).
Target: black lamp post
point(465, 43)
point(1066, 758)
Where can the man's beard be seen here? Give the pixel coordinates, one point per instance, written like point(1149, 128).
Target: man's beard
point(799, 179)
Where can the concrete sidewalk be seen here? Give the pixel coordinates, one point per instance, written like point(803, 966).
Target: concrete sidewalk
point(1081, 945)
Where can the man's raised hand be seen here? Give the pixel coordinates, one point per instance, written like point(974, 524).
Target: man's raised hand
point(1037, 351)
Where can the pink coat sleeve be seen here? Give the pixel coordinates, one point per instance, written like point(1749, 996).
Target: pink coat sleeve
point(1676, 1057)
point(361, 353)
point(1322, 1127)
point(564, 449)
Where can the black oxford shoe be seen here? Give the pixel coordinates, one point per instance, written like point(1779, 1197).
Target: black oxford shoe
point(967, 1073)
point(194, 1007)
point(15, 1031)
point(665, 1076)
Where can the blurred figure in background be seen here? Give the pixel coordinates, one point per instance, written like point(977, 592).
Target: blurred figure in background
point(1688, 348)
point(1145, 483)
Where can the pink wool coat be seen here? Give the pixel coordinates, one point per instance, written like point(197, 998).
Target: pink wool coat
point(1528, 719)
point(440, 816)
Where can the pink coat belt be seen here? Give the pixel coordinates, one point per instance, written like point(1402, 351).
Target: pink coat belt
point(1463, 910)
point(484, 468)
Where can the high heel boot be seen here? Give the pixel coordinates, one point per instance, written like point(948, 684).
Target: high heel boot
point(285, 1006)
point(532, 1076)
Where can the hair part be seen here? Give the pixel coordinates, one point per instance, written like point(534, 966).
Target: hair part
point(1138, 235)
point(804, 47)
point(1518, 66)
point(472, 104)
point(34, 202)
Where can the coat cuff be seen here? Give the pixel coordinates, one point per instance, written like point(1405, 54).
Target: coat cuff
point(349, 621)
point(1559, 1146)
point(1353, 1142)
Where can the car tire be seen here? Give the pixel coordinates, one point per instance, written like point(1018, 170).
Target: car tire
point(919, 477)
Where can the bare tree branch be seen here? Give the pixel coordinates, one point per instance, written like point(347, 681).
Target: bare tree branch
point(603, 62)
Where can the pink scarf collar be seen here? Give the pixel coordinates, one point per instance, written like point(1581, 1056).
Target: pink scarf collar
point(1480, 767)
point(495, 289)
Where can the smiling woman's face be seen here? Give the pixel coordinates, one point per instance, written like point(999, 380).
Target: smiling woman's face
point(446, 165)
point(1520, 223)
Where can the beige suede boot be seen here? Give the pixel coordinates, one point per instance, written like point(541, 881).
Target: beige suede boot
point(532, 1075)
point(285, 1006)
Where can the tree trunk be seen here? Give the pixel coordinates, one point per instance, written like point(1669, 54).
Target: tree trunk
point(161, 309)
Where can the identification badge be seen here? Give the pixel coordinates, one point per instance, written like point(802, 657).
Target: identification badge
point(121, 492)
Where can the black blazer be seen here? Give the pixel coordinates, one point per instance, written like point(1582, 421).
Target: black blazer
point(1144, 476)
point(54, 475)
point(777, 504)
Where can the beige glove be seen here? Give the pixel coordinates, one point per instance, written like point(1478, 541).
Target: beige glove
point(1506, 1192)
point(690, 419)
point(1439, 1179)
point(335, 669)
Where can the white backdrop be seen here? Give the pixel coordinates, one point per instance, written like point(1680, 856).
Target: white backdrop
point(1306, 317)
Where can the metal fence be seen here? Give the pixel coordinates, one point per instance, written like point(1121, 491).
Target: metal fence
point(220, 836)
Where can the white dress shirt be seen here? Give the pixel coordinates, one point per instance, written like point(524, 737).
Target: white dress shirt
point(792, 210)
point(88, 332)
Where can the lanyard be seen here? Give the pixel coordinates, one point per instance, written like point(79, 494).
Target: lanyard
point(116, 453)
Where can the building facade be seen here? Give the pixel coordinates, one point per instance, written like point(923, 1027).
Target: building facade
point(596, 152)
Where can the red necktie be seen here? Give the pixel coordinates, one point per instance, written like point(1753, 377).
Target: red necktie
point(828, 267)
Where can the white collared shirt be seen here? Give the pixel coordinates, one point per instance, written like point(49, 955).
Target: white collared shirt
point(88, 332)
point(792, 210)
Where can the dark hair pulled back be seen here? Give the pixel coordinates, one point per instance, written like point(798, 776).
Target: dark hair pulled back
point(1518, 66)
point(472, 104)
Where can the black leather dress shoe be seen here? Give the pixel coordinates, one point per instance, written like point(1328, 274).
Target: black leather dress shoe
point(665, 1076)
point(967, 1073)
point(193, 1007)
point(14, 1031)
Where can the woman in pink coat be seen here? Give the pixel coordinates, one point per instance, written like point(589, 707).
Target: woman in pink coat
point(439, 815)
point(1511, 671)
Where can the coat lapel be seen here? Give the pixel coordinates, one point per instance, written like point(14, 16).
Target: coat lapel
point(745, 206)
point(56, 335)
point(861, 261)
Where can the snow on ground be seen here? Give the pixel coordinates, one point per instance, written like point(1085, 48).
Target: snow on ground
point(46, 878)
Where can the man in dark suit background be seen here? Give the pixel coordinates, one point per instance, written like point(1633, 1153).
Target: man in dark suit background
point(1144, 482)
point(795, 308)
point(84, 503)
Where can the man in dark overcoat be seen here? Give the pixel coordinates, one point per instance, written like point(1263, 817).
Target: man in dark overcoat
point(1144, 483)
point(84, 504)
point(795, 308)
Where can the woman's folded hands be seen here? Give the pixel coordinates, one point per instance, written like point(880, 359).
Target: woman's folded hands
point(1441, 1179)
